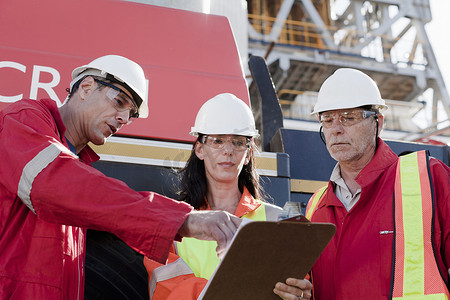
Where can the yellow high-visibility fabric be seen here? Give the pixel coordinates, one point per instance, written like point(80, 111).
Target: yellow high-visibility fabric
point(413, 209)
point(314, 202)
point(413, 213)
point(201, 256)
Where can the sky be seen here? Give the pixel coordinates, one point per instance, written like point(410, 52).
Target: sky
point(438, 33)
point(439, 36)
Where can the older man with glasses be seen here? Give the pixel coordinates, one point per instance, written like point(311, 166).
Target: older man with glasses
point(392, 213)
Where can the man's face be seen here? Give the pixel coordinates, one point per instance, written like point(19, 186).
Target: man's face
point(349, 140)
point(101, 118)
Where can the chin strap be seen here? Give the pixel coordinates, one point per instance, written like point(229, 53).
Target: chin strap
point(376, 135)
point(322, 135)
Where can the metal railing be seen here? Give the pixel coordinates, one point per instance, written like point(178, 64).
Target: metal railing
point(398, 50)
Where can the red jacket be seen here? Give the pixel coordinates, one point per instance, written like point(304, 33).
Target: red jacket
point(47, 199)
point(357, 263)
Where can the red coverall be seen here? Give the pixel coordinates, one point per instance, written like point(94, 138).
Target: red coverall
point(42, 245)
point(357, 263)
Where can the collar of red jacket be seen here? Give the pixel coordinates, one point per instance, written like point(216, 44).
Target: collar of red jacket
point(86, 155)
point(384, 158)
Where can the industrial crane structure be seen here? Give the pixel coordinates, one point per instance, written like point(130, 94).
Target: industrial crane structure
point(305, 41)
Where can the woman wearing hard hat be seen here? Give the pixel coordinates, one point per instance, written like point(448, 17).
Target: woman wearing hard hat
point(219, 175)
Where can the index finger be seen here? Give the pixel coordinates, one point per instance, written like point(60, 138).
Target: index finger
point(236, 221)
point(227, 231)
point(300, 283)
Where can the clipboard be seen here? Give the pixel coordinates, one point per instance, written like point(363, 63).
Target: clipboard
point(264, 253)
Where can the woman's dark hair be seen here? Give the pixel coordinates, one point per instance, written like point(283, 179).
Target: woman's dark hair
point(193, 179)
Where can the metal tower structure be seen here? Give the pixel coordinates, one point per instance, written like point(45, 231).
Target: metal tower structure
point(305, 41)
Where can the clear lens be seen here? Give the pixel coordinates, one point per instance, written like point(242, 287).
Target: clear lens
point(346, 118)
point(238, 143)
point(120, 100)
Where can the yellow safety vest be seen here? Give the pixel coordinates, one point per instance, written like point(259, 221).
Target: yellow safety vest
point(201, 256)
point(416, 273)
point(313, 204)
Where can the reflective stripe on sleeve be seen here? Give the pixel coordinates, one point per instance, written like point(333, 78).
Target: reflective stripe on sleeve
point(34, 167)
point(174, 269)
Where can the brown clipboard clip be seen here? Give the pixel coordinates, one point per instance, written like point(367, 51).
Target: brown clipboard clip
point(299, 218)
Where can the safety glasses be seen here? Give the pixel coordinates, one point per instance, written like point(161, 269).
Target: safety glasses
point(120, 100)
point(238, 143)
point(346, 118)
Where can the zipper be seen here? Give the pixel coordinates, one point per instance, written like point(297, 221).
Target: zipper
point(79, 270)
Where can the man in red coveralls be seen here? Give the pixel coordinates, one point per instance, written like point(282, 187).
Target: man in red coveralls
point(392, 213)
point(50, 194)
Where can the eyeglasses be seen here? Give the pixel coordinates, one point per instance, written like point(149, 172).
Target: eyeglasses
point(238, 143)
point(120, 100)
point(347, 118)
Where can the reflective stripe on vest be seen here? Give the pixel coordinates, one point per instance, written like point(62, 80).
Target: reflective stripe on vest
point(313, 203)
point(201, 256)
point(416, 274)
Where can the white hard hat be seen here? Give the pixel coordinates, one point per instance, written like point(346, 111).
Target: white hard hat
point(123, 70)
point(348, 88)
point(225, 114)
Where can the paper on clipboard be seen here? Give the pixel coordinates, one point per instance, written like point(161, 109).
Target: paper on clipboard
point(264, 253)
